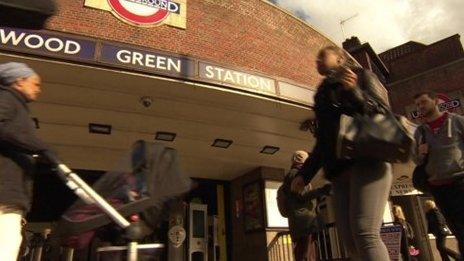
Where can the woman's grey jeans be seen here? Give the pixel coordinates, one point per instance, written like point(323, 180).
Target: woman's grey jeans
point(360, 197)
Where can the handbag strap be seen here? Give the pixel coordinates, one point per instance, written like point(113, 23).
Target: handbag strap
point(386, 109)
point(373, 99)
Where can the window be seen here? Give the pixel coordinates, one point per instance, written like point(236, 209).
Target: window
point(198, 224)
point(274, 219)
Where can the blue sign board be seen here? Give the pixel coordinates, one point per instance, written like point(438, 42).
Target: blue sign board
point(47, 44)
point(146, 60)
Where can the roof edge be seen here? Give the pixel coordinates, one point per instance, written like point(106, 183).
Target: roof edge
point(423, 45)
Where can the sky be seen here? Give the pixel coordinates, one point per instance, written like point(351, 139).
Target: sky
point(383, 23)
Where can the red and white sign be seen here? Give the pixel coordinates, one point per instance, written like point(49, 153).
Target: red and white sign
point(144, 12)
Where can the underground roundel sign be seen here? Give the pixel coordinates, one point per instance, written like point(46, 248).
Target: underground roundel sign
point(144, 12)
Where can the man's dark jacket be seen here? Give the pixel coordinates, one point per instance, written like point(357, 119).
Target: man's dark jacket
point(18, 142)
point(436, 223)
point(301, 208)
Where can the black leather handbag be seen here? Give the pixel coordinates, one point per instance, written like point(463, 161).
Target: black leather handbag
point(383, 137)
point(419, 175)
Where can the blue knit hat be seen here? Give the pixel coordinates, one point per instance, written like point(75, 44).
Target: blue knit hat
point(10, 72)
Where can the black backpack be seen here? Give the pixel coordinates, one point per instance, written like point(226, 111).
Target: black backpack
point(282, 201)
point(419, 175)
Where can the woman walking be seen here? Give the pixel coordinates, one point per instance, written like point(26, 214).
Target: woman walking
point(407, 234)
point(360, 187)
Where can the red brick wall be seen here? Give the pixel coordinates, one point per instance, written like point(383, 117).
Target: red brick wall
point(401, 50)
point(445, 80)
point(248, 34)
point(424, 59)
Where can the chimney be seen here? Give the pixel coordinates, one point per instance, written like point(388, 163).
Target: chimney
point(351, 43)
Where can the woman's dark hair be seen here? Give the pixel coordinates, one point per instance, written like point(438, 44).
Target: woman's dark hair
point(349, 60)
point(337, 50)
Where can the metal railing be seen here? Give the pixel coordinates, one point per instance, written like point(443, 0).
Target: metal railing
point(328, 246)
point(281, 248)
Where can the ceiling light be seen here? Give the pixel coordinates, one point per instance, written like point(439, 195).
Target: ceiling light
point(99, 128)
point(165, 136)
point(220, 143)
point(270, 150)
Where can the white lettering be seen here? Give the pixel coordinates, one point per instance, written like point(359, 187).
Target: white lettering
point(150, 61)
point(449, 105)
point(137, 57)
point(35, 41)
point(173, 7)
point(163, 5)
point(161, 63)
point(209, 72)
point(59, 47)
point(415, 114)
point(160, 4)
point(219, 73)
point(15, 39)
point(177, 65)
point(239, 77)
point(29, 43)
point(72, 47)
point(228, 77)
point(266, 85)
point(124, 59)
point(253, 82)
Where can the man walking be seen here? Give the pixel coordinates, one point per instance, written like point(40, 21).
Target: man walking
point(19, 85)
point(299, 208)
point(443, 134)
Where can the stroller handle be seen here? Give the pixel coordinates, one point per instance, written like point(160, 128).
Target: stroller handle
point(88, 195)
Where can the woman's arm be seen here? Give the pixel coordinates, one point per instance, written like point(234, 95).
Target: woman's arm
point(366, 96)
point(312, 165)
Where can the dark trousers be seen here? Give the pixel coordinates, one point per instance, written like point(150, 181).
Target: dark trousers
point(305, 249)
point(445, 252)
point(405, 247)
point(450, 200)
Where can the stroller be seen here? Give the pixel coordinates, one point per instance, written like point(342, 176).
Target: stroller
point(140, 195)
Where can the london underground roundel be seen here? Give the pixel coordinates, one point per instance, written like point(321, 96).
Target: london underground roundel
point(445, 103)
point(143, 12)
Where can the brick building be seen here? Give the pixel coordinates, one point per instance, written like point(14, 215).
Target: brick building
point(226, 83)
point(416, 67)
point(225, 48)
point(367, 57)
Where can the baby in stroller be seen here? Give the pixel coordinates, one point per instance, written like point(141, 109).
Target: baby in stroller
point(154, 180)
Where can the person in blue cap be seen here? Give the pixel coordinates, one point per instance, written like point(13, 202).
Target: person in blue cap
point(19, 85)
